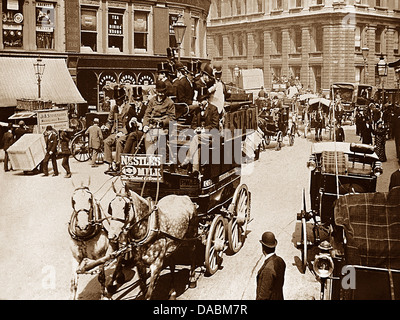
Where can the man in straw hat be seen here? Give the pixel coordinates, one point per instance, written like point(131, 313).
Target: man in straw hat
point(270, 277)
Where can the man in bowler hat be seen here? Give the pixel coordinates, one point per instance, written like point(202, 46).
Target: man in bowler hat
point(270, 277)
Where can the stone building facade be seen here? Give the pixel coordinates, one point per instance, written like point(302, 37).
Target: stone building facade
point(318, 41)
point(103, 40)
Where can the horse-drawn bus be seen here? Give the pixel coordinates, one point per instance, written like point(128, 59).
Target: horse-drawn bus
point(164, 205)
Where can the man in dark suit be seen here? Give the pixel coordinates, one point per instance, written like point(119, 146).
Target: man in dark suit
point(183, 86)
point(135, 125)
point(270, 277)
point(395, 178)
point(51, 151)
point(205, 124)
point(8, 140)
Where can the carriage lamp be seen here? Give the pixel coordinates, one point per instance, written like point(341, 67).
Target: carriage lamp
point(323, 263)
point(378, 170)
point(39, 70)
point(311, 163)
point(179, 31)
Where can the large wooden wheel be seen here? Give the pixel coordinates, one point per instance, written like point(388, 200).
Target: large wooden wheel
point(215, 245)
point(237, 226)
point(80, 148)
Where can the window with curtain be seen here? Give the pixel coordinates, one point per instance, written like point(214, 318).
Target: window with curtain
point(141, 30)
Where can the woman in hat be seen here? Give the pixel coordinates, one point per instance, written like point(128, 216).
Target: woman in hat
point(270, 277)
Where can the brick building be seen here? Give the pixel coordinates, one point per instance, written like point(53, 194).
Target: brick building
point(319, 41)
point(100, 41)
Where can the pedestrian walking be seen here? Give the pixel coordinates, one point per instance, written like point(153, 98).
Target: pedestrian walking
point(270, 277)
point(380, 140)
point(340, 137)
point(95, 140)
point(366, 132)
point(51, 151)
point(8, 140)
point(395, 178)
point(65, 152)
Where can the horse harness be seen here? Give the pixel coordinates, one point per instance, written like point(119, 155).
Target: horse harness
point(95, 221)
point(153, 228)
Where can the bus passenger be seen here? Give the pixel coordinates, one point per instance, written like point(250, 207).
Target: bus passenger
point(204, 121)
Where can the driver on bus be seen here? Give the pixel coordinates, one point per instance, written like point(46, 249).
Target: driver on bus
point(159, 113)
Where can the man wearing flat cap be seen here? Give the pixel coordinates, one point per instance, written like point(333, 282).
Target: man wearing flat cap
point(159, 112)
point(270, 277)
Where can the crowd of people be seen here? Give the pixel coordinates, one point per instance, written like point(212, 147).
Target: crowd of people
point(192, 95)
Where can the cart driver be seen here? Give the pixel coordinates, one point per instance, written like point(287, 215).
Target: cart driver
point(205, 124)
point(159, 113)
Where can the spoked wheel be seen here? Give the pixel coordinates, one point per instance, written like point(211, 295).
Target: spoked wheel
point(291, 136)
point(80, 148)
point(279, 140)
point(215, 245)
point(237, 226)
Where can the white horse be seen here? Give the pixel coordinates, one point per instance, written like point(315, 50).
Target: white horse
point(89, 240)
point(155, 232)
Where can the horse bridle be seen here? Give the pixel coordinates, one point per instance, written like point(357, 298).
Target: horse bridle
point(93, 224)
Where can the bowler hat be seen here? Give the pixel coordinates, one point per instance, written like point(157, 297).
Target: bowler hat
point(218, 68)
point(268, 240)
point(161, 86)
point(179, 66)
point(207, 69)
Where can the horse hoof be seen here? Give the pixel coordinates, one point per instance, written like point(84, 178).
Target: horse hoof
point(192, 284)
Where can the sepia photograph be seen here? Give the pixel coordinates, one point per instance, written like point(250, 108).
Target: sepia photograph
point(215, 152)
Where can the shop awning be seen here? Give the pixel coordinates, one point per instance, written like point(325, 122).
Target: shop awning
point(18, 81)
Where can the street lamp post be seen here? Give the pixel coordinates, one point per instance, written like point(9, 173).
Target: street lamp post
point(179, 31)
point(365, 52)
point(382, 72)
point(39, 70)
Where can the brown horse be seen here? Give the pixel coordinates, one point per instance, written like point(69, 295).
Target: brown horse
point(154, 232)
point(89, 239)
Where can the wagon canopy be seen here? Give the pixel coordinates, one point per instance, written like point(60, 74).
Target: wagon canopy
point(371, 222)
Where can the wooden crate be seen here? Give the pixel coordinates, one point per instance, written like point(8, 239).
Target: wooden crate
point(27, 152)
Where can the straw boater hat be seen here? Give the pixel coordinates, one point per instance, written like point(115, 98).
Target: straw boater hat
point(268, 240)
